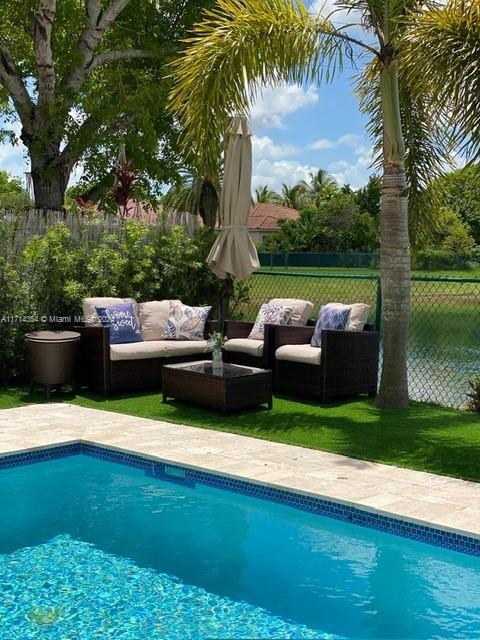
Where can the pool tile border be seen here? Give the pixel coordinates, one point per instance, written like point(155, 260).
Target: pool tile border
point(311, 504)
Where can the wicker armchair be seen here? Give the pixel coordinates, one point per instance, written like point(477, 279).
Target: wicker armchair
point(345, 366)
point(250, 353)
point(103, 374)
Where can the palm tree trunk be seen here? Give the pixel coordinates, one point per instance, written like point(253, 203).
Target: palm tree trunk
point(394, 251)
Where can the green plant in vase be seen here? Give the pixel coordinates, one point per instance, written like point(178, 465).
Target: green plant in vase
point(216, 343)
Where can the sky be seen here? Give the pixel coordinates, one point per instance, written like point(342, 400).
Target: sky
point(296, 130)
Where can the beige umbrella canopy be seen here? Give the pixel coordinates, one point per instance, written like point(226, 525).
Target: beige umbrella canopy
point(234, 254)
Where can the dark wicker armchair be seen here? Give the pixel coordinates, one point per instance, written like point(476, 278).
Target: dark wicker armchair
point(345, 366)
point(250, 353)
point(103, 374)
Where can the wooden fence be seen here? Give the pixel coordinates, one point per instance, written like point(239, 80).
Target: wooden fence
point(86, 228)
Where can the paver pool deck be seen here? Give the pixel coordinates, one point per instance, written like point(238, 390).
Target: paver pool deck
point(426, 498)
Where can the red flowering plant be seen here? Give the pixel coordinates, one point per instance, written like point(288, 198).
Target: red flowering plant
point(126, 179)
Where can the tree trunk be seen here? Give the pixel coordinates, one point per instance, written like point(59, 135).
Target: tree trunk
point(394, 249)
point(208, 204)
point(50, 181)
point(395, 274)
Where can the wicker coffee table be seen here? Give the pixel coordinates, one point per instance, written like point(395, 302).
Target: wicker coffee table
point(235, 388)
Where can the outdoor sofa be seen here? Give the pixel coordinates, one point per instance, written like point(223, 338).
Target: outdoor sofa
point(111, 368)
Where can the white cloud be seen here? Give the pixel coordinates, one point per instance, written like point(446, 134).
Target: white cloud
point(354, 173)
point(265, 147)
point(348, 140)
point(323, 143)
point(342, 17)
point(275, 103)
point(275, 173)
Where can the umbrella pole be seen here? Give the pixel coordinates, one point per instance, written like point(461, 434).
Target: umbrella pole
point(225, 297)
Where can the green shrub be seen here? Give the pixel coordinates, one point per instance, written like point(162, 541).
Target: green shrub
point(473, 403)
point(47, 281)
point(437, 259)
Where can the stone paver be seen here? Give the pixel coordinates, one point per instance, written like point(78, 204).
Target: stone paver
point(440, 501)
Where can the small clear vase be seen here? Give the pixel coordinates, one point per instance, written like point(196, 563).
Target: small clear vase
point(217, 361)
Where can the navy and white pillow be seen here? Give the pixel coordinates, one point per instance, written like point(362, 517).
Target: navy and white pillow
point(330, 317)
point(122, 322)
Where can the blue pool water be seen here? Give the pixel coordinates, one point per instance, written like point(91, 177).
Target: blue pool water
point(94, 549)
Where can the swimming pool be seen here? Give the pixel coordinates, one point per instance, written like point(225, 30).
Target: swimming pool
point(91, 548)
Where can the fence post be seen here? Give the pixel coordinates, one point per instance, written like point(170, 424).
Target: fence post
point(378, 305)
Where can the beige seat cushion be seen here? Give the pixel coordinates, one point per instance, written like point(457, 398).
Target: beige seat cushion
point(157, 349)
point(245, 345)
point(299, 353)
point(153, 318)
point(89, 307)
point(301, 309)
point(358, 314)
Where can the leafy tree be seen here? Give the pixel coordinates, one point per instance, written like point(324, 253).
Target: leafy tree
point(460, 192)
point(84, 76)
point(12, 192)
point(293, 197)
point(240, 46)
point(364, 232)
point(326, 227)
point(265, 195)
point(452, 233)
point(368, 197)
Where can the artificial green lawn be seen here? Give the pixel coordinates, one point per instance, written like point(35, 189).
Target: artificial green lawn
point(425, 437)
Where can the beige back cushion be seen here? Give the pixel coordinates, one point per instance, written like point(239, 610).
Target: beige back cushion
point(301, 309)
point(153, 318)
point(90, 312)
point(358, 315)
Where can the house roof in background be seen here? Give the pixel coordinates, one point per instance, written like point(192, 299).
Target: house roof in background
point(265, 216)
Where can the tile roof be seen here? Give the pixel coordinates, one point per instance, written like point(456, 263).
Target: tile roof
point(265, 216)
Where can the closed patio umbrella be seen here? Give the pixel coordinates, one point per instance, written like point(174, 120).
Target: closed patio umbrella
point(234, 255)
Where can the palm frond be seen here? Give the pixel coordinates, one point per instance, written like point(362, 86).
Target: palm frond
point(237, 49)
point(441, 47)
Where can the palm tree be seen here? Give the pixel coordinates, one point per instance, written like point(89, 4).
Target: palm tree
point(265, 195)
point(240, 46)
point(294, 197)
point(195, 195)
point(321, 186)
point(446, 38)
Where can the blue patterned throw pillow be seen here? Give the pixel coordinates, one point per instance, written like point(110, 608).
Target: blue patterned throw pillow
point(269, 314)
point(122, 321)
point(330, 317)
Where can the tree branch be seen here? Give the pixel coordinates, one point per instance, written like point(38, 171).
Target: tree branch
point(42, 46)
point(12, 80)
point(78, 143)
point(98, 22)
point(113, 56)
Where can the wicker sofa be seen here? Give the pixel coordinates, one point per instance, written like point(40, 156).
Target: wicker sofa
point(112, 368)
point(344, 366)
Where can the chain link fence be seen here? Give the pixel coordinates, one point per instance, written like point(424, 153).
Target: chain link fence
point(444, 344)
